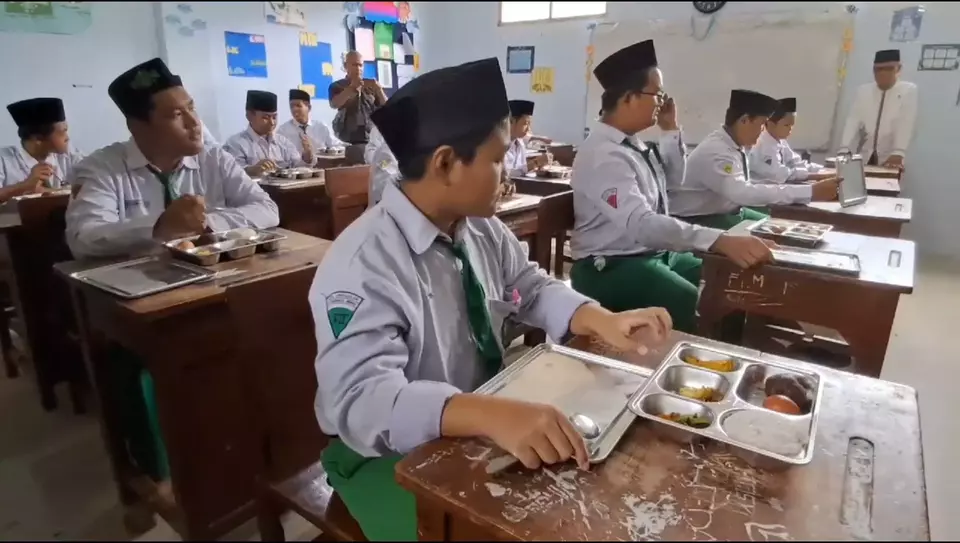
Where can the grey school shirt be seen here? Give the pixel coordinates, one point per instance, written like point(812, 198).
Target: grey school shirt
point(393, 337)
point(718, 181)
point(16, 164)
point(120, 199)
point(620, 203)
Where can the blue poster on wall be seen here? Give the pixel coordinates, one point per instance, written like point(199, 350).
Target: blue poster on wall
point(246, 54)
point(316, 66)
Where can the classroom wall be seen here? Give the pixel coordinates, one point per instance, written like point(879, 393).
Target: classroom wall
point(77, 69)
point(126, 33)
point(470, 31)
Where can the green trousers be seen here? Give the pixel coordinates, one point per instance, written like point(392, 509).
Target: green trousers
point(726, 221)
point(668, 280)
point(130, 391)
point(369, 489)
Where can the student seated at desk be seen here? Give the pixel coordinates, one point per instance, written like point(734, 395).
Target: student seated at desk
point(411, 300)
point(772, 160)
point(623, 234)
point(717, 188)
point(516, 162)
point(43, 160)
point(161, 184)
point(383, 166)
point(259, 149)
point(303, 131)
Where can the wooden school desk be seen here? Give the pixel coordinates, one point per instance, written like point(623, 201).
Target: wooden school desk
point(540, 186)
point(878, 216)
point(861, 308)
point(187, 339)
point(866, 481)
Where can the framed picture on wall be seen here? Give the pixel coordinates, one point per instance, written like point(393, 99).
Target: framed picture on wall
point(520, 59)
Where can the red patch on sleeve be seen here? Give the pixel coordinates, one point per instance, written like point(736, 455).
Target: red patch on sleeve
point(610, 196)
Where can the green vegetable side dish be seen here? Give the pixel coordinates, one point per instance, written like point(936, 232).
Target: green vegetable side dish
point(693, 421)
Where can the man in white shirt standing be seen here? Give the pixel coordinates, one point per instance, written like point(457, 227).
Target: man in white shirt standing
point(302, 130)
point(880, 125)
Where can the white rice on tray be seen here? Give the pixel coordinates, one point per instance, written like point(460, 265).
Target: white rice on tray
point(767, 431)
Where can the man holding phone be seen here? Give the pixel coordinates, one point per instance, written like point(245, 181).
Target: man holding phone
point(355, 98)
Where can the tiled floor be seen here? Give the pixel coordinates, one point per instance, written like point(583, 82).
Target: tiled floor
point(55, 481)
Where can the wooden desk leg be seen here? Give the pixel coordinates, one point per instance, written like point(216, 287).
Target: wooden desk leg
point(432, 523)
point(869, 340)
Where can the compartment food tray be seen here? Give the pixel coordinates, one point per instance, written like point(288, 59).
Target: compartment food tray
point(211, 248)
point(740, 391)
point(800, 234)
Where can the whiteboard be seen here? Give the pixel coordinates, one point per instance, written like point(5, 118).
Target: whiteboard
point(798, 56)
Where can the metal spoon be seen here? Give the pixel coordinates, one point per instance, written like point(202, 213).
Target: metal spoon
point(587, 427)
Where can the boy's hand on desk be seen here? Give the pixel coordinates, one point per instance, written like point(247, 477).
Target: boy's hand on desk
point(633, 330)
point(744, 251)
point(826, 190)
point(893, 161)
point(535, 434)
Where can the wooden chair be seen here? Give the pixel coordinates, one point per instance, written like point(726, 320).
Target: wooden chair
point(51, 329)
point(347, 188)
point(554, 220)
point(282, 383)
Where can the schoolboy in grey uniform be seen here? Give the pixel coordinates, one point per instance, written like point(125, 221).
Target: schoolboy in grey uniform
point(409, 304)
point(629, 251)
point(161, 184)
point(259, 148)
point(43, 158)
point(717, 189)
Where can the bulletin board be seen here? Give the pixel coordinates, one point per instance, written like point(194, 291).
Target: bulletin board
point(316, 66)
point(246, 54)
point(384, 35)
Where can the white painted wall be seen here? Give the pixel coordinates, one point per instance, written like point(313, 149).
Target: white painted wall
point(463, 31)
point(124, 34)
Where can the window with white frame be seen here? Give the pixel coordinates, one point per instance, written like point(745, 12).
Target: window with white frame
point(525, 12)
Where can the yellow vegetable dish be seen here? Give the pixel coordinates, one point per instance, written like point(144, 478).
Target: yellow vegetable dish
point(703, 394)
point(715, 365)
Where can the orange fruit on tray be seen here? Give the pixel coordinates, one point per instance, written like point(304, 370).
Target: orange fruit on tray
point(781, 404)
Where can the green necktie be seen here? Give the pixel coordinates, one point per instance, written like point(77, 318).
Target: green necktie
point(166, 179)
point(480, 323)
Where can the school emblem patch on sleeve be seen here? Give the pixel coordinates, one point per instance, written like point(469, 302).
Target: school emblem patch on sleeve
point(610, 197)
point(341, 306)
point(728, 168)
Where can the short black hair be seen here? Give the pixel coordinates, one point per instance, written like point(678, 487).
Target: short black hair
point(140, 111)
point(464, 148)
point(612, 95)
point(38, 130)
point(518, 117)
point(733, 116)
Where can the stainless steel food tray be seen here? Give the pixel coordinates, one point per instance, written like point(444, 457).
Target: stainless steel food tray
point(742, 391)
point(612, 427)
point(143, 276)
point(225, 247)
point(795, 257)
point(289, 174)
point(800, 234)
